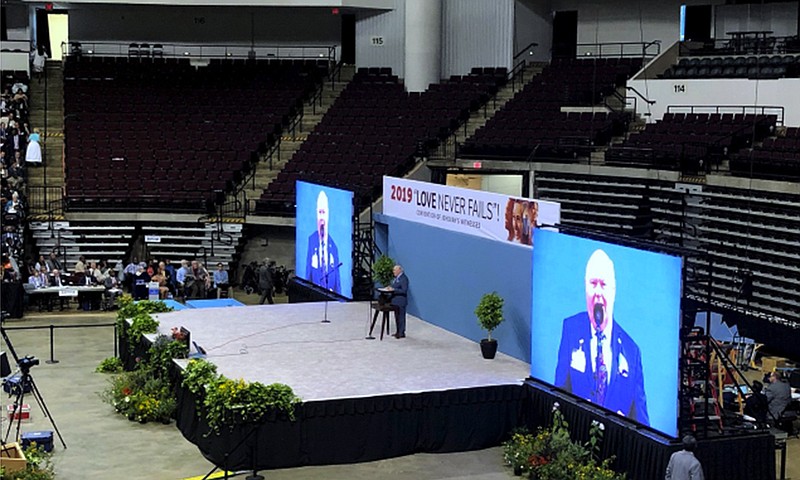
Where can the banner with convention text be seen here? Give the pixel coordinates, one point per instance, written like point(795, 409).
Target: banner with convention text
point(490, 215)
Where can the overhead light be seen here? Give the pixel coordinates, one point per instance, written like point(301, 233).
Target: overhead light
point(91, 52)
point(186, 53)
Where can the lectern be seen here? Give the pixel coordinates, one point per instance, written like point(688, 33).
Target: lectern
point(382, 305)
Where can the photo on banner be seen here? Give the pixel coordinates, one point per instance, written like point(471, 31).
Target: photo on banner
point(590, 297)
point(324, 237)
point(489, 215)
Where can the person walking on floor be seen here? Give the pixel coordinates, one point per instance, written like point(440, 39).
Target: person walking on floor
point(265, 282)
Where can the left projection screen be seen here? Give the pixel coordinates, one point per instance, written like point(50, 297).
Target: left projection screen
point(324, 237)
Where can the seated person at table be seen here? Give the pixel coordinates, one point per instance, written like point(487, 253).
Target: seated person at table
point(112, 288)
point(220, 280)
point(59, 280)
point(779, 395)
point(160, 277)
point(757, 405)
point(85, 279)
point(40, 280)
point(196, 278)
point(140, 281)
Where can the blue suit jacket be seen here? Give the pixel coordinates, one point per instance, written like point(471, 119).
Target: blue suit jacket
point(625, 392)
point(400, 293)
point(315, 271)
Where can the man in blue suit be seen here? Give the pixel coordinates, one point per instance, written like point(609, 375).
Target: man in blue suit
point(322, 260)
point(597, 359)
point(399, 289)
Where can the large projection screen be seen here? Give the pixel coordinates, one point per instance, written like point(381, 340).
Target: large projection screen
point(630, 299)
point(324, 237)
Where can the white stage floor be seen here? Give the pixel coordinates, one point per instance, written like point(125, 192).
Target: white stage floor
point(287, 343)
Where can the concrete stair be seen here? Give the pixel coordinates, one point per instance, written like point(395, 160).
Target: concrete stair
point(52, 131)
point(269, 166)
point(446, 152)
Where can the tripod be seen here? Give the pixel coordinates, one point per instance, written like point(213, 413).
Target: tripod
point(26, 383)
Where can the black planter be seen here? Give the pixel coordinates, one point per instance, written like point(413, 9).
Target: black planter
point(488, 348)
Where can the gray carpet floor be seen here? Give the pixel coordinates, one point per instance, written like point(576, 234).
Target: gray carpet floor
point(322, 361)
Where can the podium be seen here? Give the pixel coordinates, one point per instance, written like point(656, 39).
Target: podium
point(383, 306)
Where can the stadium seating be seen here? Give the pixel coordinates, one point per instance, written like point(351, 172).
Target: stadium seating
point(763, 67)
point(375, 128)
point(776, 158)
point(532, 123)
point(162, 134)
point(680, 139)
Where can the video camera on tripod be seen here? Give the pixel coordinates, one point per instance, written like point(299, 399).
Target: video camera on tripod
point(25, 363)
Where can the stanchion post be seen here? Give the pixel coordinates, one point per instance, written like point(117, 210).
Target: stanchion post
point(116, 349)
point(52, 346)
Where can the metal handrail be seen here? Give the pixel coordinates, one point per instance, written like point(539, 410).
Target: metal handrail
point(637, 92)
point(743, 109)
point(524, 51)
point(517, 71)
point(625, 49)
point(44, 199)
point(773, 45)
point(205, 51)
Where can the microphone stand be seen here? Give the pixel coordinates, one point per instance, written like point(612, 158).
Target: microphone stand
point(325, 279)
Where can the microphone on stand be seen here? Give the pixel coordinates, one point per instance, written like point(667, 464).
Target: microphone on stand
point(325, 286)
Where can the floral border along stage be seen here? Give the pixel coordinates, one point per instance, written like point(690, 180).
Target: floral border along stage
point(550, 454)
point(227, 402)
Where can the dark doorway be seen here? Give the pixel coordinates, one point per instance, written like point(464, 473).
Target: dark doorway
point(698, 23)
point(565, 34)
point(349, 39)
point(43, 32)
point(3, 27)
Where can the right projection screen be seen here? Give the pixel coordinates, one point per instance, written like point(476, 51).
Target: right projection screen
point(605, 325)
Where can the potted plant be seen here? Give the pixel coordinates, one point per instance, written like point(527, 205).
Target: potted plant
point(490, 315)
point(382, 270)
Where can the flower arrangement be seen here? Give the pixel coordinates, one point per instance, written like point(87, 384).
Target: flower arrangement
point(145, 394)
point(550, 454)
point(140, 396)
point(228, 402)
point(141, 320)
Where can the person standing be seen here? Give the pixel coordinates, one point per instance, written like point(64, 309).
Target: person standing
point(265, 282)
point(683, 465)
point(33, 154)
point(399, 289)
point(39, 60)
